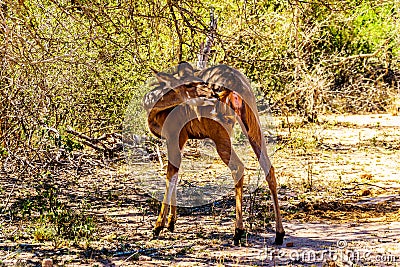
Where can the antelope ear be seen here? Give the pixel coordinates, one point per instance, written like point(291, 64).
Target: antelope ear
point(168, 79)
point(185, 69)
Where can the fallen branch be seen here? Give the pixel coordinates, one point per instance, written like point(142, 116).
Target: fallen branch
point(114, 142)
point(86, 140)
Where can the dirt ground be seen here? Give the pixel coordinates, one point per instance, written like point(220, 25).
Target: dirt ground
point(339, 192)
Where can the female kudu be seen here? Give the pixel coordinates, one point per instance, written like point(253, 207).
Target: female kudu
point(206, 104)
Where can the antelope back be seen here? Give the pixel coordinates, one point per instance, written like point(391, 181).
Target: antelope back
point(200, 90)
point(225, 79)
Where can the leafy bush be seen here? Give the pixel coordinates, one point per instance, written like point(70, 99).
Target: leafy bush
point(82, 64)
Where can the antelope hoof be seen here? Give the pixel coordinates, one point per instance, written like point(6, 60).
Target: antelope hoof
point(171, 227)
point(279, 238)
point(238, 235)
point(156, 231)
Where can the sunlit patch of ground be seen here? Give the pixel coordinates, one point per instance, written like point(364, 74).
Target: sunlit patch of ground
point(339, 181)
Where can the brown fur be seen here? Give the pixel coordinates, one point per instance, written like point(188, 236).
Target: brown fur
point(171, 118)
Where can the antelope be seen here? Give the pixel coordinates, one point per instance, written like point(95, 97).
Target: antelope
point(206, 104)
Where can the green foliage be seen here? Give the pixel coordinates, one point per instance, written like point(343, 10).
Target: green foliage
point(67, 143)
point(53, 219)
point(3, 151)
point(84, 64)
point(372, 26)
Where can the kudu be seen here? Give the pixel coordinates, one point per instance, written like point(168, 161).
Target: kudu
point(206, 104)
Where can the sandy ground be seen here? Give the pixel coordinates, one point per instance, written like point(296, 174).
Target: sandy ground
point(350, 165)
